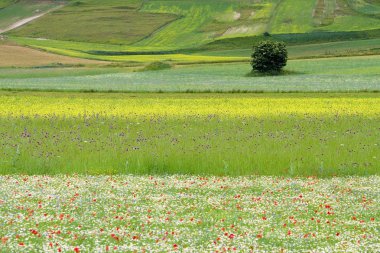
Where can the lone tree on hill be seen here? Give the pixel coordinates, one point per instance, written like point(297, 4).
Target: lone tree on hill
point(269, 57)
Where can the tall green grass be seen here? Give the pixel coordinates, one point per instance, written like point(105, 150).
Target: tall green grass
point(5, 3)
point(366, 7)
point(336, 142)
point(285, 20)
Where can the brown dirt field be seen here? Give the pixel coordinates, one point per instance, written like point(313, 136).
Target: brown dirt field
point(17, 56)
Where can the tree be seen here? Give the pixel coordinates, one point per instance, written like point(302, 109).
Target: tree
point(269, 57)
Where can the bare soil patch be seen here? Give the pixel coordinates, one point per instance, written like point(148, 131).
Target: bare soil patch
point(17, 56)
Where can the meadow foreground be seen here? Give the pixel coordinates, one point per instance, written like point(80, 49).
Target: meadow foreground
point(189, 214)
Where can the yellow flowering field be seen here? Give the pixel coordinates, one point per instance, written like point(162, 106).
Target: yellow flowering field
point(174, 105)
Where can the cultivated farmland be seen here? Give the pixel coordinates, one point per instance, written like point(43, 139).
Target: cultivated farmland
point(95, 30)
point(140, 126)
point(16, 56)
point(318, 75)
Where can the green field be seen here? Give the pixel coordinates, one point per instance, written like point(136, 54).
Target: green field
point(220, 53)
point(114, 22)
point(315, 50)
point(13, 11)
point(263, 134)
point(5, 3)
point(200, 22)
point(313, 75)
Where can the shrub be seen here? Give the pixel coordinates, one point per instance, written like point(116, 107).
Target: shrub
point(269, 56)
point(157, 66)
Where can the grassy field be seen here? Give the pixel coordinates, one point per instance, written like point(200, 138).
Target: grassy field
point(174, 24)
point(264, 134)
point(312, 75)
point(317, 50)
point(5, 3)
point(146, 54)
point(198, 22)
point(286, 22)
point(97, 21)
point(187, 214)
point(120, 53)
point(13, 11)
point(366, 7)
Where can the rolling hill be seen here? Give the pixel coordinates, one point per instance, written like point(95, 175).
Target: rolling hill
point(184, 30)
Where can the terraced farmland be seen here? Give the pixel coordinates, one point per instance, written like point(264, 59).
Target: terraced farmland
point(180, 24)
point(115, 22)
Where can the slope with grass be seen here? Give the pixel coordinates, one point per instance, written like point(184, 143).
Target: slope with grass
point(312, 50)
point(197, 21)
point(284, 20)
point(5, 3)
point(85, 28)
point(95, 21)
point(16, 13)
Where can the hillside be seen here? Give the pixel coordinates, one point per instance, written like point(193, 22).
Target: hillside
point(116, 29)
point(16, 13)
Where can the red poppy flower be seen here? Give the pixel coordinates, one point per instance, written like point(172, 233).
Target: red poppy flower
point(4, 240)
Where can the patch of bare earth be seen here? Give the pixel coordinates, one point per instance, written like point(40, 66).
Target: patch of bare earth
point(17, 56)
